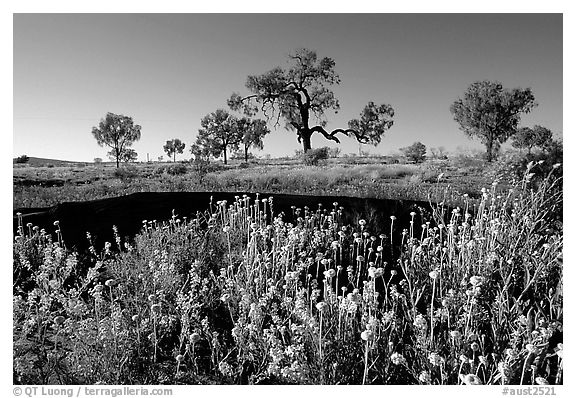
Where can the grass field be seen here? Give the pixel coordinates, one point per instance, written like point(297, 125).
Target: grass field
point(46, 186)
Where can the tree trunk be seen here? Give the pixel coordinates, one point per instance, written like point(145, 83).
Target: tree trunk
point(225, 158)
point(174, 156)
point(306, 142)
point(117, 162)
point(489, 148)
point(246, 153)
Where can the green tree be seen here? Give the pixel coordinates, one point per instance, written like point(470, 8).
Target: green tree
point(219, 135)
point(492, 113)
point(22, 159)
point(117, 132)
point(128, 155)
point(538, 136)
point(301, 91)
point(174, 146)
point(252, 132)
point(415, 152)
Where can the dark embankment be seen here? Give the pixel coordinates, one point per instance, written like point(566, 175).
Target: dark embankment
point(127, 213)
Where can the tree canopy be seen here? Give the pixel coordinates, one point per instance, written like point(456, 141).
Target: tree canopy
point(301, 91)
point(415, 152)
point(537, 136)
point(219, 135)
point(492, 113)
point(174, 146)
point(117, 132)
point(253, 132)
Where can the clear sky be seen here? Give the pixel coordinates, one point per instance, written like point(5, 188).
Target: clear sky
point(169, 70)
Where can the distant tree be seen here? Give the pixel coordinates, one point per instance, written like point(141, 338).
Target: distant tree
point(538, 136)
point(415, 152)
point(314, 156)
point(160, 158)
point(117, 132)
point(302, 91)
point(219, 135)
point(334, 152)
point(98, 160)
point(252, 132)
point(174, 146)
point(128, 155)
point(22, 159)
point(491, 113)
point(438, 152)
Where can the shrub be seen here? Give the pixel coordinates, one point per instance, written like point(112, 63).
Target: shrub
point(127, 173)
point(314, 156)
point(415, 152)
point(177, 169)
point(22, 159)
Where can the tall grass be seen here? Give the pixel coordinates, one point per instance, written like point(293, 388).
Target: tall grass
point(241, 294)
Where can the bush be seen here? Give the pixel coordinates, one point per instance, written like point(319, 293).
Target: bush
point(22, 159)
point(313, 156)
point(177, 169)
point(126, 174)
point(415, 152)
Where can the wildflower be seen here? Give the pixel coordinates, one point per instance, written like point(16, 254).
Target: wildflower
point(435, 359)
point(560, 351)
point(329, 273)
point(156, 308)
point(392, 218)
point(393, 272)
point(59, 320)
point(412, 213)
point(455, 334)
point(179, 357)
point(362, 222)
point(135, 318)
point(397, 359)
point(360, 258)
point(531, 348)
point(470, 379)
point(194, 338)
point(152, 297)
point(372, 272)
point(321, 305)
point(474, 346)
point(425, 377)
point(110, 282)
point(226, 229)
point(476, 280)
point(56, 223)
point(98, 288)
point(463, 358)
point(367, 335)
point(225, 298)
point(541, 381)
point(433, 274)
point(420, 322)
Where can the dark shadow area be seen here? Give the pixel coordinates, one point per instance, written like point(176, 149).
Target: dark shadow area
point(127, 213)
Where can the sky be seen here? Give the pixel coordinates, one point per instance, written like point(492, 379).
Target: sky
point(167, 71)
